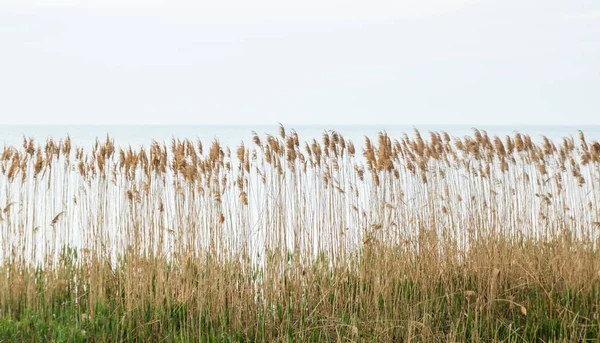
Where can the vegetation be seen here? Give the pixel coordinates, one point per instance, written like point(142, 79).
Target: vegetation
point(477, 239)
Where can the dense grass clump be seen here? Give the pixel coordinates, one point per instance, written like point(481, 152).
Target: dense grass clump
point(441, 239)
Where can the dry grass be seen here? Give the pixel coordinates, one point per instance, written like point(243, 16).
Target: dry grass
point(416, 239)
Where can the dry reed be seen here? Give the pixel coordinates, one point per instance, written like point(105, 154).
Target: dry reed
point(475, 238)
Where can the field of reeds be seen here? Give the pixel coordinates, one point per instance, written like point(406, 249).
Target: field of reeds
point(399, 239)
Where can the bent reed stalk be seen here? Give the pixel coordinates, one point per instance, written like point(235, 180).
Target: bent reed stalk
point(411, 239)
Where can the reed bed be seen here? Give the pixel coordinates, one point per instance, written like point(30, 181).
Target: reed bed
point(411, 238)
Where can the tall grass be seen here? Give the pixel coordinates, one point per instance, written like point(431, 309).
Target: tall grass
point(407, 239)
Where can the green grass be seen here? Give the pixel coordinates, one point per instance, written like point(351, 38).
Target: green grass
point(449, 306)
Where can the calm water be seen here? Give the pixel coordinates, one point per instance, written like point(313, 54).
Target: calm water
point(234, 135)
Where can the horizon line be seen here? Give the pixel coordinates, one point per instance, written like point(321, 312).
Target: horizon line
point(298, 125)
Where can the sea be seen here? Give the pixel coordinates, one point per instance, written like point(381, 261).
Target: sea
point(233, 135)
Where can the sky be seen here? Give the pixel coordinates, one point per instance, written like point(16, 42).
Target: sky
point(310, 62)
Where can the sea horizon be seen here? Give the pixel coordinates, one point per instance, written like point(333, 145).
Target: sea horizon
point(233, 135)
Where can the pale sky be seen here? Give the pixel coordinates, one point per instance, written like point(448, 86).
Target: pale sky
point(381, 62)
